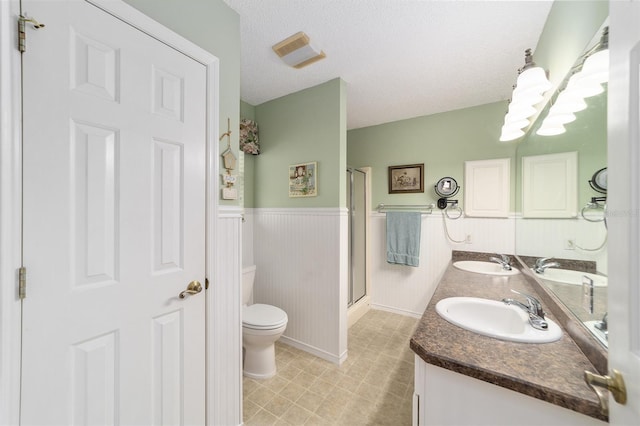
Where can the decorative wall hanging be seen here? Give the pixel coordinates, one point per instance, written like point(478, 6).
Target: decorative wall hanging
point(406, 179)
point(249, 143)
point(303, 180)
point(229, 163)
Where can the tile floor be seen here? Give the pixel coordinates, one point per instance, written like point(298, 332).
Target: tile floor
point(374, 386)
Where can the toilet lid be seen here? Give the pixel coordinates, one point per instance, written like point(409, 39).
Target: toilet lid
point(259, 316)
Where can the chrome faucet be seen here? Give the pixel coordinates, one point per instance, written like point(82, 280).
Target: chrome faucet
point(533, 308)
point(503, 260)
point(603, 326)
point(541, 265)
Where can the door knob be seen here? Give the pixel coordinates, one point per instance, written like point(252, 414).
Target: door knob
point(194, 287)
point(614, 384)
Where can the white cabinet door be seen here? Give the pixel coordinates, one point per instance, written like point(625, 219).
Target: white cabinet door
point(114, 223)
point(624, 206)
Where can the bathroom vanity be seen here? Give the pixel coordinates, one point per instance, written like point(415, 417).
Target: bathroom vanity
point(464, 378)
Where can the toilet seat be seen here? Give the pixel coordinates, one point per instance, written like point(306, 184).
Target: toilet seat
point(263, 317)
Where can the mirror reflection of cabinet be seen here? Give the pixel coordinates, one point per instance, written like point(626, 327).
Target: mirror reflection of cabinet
point(549, 185)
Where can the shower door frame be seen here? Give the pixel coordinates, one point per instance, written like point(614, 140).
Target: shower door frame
point(358, 308)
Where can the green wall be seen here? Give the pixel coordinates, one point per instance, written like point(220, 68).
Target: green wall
point(568, 33)
point(305, 126)
point(441, 141)
point(587, 135)
point(215, 27)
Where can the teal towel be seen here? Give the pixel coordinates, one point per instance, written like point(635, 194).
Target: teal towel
point(403, 238)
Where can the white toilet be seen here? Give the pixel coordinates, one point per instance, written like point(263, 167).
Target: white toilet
point(262, 325)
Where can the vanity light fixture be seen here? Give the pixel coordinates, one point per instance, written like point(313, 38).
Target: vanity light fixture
point(297, 51)
point(586, 79)
point(529, 89)
point(595, 69)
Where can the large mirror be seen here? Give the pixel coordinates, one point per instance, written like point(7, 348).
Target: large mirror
point(570, 231)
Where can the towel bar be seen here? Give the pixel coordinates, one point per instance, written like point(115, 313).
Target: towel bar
point(423, 208)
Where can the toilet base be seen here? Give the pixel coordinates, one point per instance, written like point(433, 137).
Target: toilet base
point(260, 363)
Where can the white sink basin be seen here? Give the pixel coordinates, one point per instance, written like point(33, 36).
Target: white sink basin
point(479, 267)
point(567, 276)
point(495, 319)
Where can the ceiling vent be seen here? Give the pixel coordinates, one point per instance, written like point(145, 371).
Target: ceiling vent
point(297, 51)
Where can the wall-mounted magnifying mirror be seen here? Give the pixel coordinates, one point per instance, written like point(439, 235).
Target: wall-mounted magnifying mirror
point(599, 181)
point(446, 187)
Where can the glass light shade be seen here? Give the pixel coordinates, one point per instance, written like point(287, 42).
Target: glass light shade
point(526, 97)
point(583, 87)
point(596, 67)
point(510, 133)
point(533, 79)
point(515, 122)
point(557, 117)
point(550, 129)
point(520, 111)
point(569, 101)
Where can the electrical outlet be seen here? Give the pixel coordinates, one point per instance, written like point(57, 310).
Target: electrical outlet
point(569, 245)
point(467, 239)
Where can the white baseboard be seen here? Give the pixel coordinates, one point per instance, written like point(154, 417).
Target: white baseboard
point(314, 351)
point(357, 310)
point(396, 310)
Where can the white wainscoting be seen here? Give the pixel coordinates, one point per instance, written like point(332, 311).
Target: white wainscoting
point(407, 290)
point(299, 265)
point(247, 238)
point(301, 259)
point(550, 237)
point(224, 325)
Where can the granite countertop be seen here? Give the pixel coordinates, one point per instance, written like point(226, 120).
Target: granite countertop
point(552, 372)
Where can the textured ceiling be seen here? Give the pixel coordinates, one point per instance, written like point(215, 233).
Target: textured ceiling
point(399, 58)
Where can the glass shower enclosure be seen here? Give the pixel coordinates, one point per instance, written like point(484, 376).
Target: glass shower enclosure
point(357, 205)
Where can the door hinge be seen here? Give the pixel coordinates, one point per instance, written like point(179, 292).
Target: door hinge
point(206, 283)
point(22, 31)
point(22, 282)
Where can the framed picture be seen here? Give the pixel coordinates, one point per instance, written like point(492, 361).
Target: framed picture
point(406, 179)
point(303, 180)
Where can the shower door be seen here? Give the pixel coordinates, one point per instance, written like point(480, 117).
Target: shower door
point(356, 203)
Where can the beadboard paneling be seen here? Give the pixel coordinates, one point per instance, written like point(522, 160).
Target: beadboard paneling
point(548, 238)
point(247, 238)
point(301, 258)
point(407, 290)
point(224, 323)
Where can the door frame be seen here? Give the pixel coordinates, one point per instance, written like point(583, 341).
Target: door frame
point(11, 185)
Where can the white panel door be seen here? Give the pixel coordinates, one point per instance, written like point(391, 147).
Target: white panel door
point(114, 223)
point(623, 206)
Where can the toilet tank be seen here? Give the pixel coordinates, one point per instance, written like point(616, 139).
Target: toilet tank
point(248, 275)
